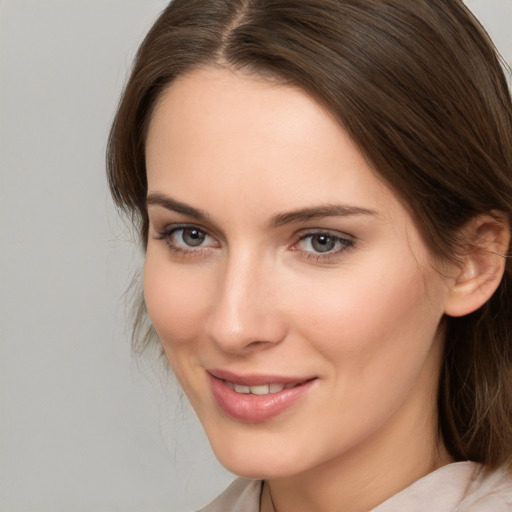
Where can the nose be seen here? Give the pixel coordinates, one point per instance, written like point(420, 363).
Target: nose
point(246, 314)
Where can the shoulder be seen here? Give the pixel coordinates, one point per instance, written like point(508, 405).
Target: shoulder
point(489, 491)
point(458, 487)
point(241, 496)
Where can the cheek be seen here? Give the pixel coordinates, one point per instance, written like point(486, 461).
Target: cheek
point(175, 299)
point(375, 312)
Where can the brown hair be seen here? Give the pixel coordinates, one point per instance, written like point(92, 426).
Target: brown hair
point(420, 88)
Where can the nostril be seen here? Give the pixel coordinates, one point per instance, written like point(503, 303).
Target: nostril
point(259, 344)
point(243, 315)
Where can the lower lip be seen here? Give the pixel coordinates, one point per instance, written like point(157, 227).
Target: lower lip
point(256, 408)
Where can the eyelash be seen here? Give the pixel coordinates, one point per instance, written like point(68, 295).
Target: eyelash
point(166, 236)
point(344, 242)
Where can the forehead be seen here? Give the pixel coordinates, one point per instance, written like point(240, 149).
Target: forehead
point(209, 104)
point(217, 134)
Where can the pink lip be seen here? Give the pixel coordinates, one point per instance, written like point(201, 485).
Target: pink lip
point(256, 408)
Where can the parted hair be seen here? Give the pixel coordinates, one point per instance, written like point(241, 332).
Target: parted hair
point(421, 89)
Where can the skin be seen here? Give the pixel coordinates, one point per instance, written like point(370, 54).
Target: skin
point(256, 297)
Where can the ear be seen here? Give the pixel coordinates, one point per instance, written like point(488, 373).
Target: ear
point(483, 264)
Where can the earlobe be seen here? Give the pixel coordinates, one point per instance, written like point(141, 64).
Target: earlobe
point(483, 264)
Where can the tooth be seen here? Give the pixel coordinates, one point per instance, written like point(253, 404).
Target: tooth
point(242, 389)
point(275, 388)
point(260, 390)
point(263, 389)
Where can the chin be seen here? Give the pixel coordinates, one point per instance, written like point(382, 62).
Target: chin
point(258, 469)
point(259, 459)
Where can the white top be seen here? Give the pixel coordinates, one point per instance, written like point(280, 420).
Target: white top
point(457, 487)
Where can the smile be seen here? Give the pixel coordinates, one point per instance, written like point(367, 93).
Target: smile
point(255, 399)
point(264, 389)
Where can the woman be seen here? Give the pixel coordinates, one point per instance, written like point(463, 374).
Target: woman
point(323, 190)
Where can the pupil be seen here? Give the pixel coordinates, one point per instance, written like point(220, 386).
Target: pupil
point(322, 243)
point(193, 237)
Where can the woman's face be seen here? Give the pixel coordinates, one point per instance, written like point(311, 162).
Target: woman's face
point(294, 297)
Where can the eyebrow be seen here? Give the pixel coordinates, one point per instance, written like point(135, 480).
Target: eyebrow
point(281, 219)
point(319, 212)
point(156, 199)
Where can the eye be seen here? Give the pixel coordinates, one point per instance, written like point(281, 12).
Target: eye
point(323, 243)
point(186, 239)
point(189, 236)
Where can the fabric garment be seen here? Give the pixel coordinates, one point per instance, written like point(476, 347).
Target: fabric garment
point(457, 487)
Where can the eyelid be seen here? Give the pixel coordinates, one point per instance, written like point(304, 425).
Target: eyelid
point(168, 229)
point(160, 218)
point(304, 233)
point(347, 242)
point(167, 232)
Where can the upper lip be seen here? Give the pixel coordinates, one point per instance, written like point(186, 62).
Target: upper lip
point(255, 379)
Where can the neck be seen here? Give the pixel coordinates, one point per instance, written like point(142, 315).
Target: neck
point(358, 484)
point(407, 448)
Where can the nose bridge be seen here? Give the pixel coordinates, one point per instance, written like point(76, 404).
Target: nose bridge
point(245, 312)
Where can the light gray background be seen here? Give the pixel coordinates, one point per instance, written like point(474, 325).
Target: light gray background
point(83, 426)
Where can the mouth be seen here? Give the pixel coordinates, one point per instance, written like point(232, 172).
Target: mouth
point(263, 389)
point(257, 398)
